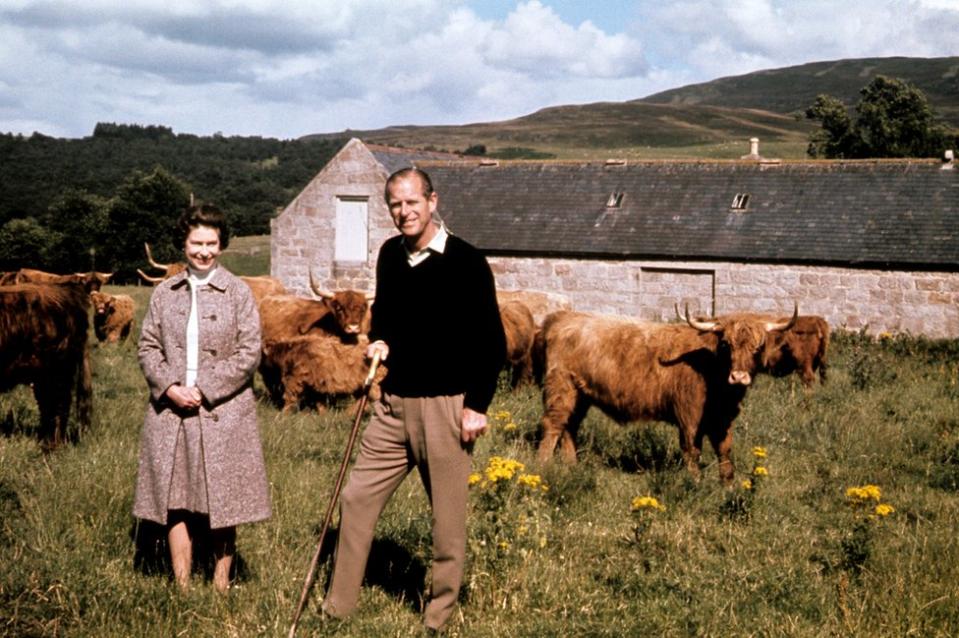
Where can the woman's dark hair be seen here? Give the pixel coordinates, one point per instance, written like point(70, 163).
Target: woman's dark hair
point(203, 215)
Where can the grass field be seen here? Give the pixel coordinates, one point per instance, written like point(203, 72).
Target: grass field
point(790, 557)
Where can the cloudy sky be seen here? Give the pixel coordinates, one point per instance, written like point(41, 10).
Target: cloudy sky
point(288, 68)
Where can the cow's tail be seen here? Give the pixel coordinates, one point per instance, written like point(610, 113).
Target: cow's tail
point(84, 393)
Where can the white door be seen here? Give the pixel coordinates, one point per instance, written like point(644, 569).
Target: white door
point(352, 230)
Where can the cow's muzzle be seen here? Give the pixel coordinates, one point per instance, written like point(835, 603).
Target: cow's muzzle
point(740, 377)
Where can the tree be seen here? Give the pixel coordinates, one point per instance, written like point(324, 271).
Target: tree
point(24, 243)
point(145, 209)
point(893, 119)
point(79, 220)
point(835, 137)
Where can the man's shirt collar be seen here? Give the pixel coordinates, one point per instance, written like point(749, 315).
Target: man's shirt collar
point(437, 245)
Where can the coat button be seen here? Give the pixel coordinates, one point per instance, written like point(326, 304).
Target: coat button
point(216, 417)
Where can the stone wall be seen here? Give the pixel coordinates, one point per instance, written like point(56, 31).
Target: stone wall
point(302, 236)
point(920, 303)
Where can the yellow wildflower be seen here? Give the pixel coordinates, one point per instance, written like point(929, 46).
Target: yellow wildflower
point(542, 542)
point(864, 493)
point(499, 469)
point(475, 478)
point(504, 545)
point(509, 426)
point(747, 484)
point(502, 415)
point(759, 452)
point(884, 509)
point(531, 481)
point(646, 502)
point(759, 470)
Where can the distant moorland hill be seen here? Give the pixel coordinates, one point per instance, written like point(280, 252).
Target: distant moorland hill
point(711, 120)
point(792, 89)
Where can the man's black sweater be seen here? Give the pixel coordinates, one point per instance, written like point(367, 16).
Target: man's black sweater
point(441, 322)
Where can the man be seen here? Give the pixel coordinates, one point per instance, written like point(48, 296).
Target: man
point(436, 320)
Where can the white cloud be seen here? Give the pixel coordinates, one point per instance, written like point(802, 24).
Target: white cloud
point(285, 69)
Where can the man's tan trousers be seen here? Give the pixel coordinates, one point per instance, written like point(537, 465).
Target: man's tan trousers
point(421, 432)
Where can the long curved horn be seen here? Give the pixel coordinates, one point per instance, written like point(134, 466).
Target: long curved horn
point(325, 294)
point(150, 258)
point(370, 296)
point(148, 278)
point(784, 325)
point(705, 326)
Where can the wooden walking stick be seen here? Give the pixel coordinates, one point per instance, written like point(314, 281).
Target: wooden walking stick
point(311, 574)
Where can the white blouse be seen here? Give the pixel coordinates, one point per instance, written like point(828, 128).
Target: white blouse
point(196, 280)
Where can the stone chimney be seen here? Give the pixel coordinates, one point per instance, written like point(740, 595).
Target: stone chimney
point(948, 160)
point(753, 150)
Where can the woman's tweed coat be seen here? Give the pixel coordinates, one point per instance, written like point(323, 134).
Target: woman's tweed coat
point(229, 351)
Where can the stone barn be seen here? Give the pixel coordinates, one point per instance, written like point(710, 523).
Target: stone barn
point(867, 244)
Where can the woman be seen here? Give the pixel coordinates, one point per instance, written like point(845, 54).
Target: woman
point(201, 464)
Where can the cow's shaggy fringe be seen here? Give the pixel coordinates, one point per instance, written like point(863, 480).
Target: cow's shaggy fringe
point(67, 554)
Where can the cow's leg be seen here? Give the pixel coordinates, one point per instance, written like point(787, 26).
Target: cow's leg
point(567, 442)
point(271, 380)
point(523, 371)
point(53, 402)
point(808, 376)
point(822, 371)
point(690, 437)
point(559, 404)
point(721, 437)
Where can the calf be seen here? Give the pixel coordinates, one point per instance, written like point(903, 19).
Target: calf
point(694, 376)
point(112, 316)
point(317, 369)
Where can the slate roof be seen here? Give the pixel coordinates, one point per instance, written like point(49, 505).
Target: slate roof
point(394, 158)
point(870, 213)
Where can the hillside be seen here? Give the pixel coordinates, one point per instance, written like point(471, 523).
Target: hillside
point(792, 89)
point(709, 120)
point(603, 129)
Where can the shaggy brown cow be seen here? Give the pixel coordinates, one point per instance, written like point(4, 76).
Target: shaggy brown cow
point(520, 330)
point(112, 316)
point(316, 369)
point(539, 303)
point(168, 269)
point(90, 281)
point(694, 376)
point(8, 278)
point(43, 342)
point(282, 317)
point(801, 349)
point(263, 286)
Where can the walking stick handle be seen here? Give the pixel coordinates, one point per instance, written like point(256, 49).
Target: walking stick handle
point(373, 366)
